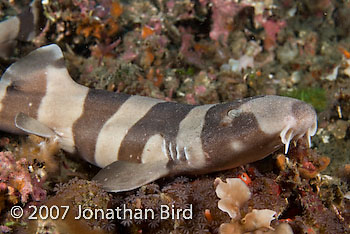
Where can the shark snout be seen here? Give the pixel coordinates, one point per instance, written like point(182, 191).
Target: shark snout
point(302, 121)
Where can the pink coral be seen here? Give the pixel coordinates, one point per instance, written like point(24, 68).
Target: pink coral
point(4, 229)
point(272, 28)
point(200, 89)
point(14, 174)
point(223, 14)
point(191, 56)
point(190, 99)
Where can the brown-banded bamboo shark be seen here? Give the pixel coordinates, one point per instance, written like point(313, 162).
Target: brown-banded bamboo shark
point(23, 27)
point(138, 139)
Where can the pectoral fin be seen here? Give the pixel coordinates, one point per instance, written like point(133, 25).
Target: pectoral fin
point(33, 126)
point(124, 176)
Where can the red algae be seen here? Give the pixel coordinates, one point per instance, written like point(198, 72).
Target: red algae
point(15, 177)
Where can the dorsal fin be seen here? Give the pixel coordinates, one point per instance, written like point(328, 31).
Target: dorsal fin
point(40, 86)
point(24, 84)
point(26, 70)
point(31, 74)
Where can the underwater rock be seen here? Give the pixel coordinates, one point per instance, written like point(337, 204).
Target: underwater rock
point(339, 128)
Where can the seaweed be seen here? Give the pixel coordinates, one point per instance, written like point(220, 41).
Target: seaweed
point(315, 96)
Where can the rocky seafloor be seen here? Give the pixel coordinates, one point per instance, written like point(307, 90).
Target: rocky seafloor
point(196, 52)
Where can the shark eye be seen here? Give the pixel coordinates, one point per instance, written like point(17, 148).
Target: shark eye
point(233, 113)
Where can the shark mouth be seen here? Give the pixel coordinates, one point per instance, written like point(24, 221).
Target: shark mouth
point(288, 134)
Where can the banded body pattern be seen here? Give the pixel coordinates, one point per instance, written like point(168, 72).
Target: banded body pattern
point(141, 136)
point(101, 126)
point(39, 86)
point(138, 129)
